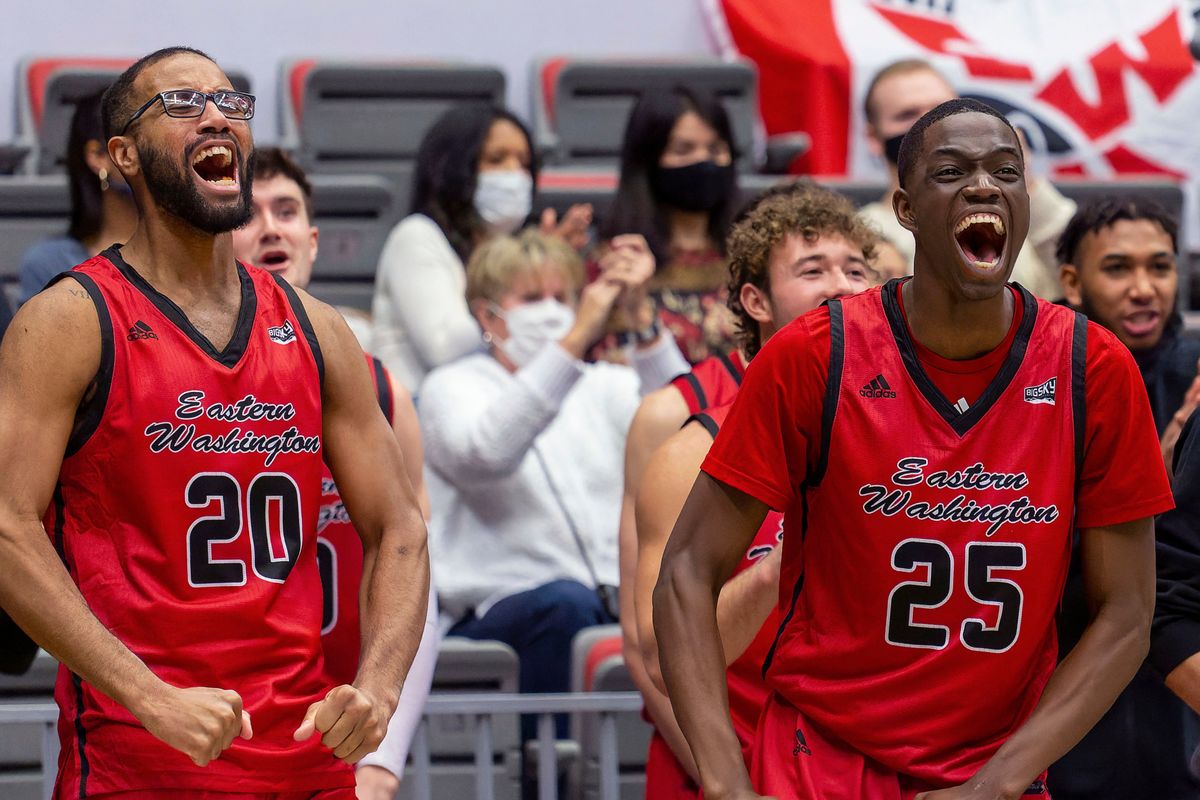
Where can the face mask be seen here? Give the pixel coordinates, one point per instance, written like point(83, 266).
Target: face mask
point(532, 326)
point(697, 187)
point(504, 197)
point(891, 149)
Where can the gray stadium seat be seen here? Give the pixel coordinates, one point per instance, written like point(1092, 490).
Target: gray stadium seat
point(21, 744)
point(355, 213)
point(31, 209)
point(364, 117)
point(48, 90)
point(580, 106)
point(597, 665)
point(465, 665)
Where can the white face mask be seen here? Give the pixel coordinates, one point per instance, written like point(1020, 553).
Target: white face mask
point(532, 326)
point(504, 197)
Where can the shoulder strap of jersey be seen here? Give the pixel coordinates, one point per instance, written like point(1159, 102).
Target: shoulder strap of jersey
point(731, 367)
point(693, 393)
point(383, 389)
point(305, 324)
point(705, 419)
point(833, 386)
point(91, 410)
point(1079, 387)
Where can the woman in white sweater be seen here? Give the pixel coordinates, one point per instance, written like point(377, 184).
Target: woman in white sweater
point(475, 176)
point(524, 446)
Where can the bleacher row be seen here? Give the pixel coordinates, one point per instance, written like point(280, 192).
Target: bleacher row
point(356, 128)
point(463, 666)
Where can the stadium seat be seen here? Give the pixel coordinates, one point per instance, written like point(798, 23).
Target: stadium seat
point(21, 744)
point(598, 665)
point(355, 213)
point(466, 665)
point(47, 92)
point(31, 209)
point(580, 106)
point(340, 116)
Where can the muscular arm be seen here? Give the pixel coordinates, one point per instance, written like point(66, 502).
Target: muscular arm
point(715, 527)
point(1118, 566)
point(369, 468)
point(48, 360)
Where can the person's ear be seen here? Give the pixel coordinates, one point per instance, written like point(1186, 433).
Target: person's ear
point(874, 142)
point(315, 234)
point(902, 207)
point(756, 302)
point(1072, 286)
point(95, 156)
point(124, 155)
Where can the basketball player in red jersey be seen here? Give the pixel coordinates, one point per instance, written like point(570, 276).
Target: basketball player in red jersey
point(932, 444)
point(169, 410)
point(789, 253)
point(281, 237)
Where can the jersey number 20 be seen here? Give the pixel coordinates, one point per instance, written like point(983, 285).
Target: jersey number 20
point(268, 492)
point(983, 561)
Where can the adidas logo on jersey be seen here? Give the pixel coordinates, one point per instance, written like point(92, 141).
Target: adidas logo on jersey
point(140, 330)
point(282, 334)
point(1043, 393)
point(877, 388)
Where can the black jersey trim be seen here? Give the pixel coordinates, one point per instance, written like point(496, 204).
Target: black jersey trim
point(60, 544)
point(91, 409)
point(961, 424)
point(708, 422)
point(383, 390)
point(697, 389)
point(833, 389)
point(235, 348)
point(795, 589)
point(310, 335)
point(730, 367)
point(1079, 388)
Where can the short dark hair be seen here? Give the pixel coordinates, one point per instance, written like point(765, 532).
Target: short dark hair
point(87, 209)
point(118, 103)
point(270, 162)
point(447, 171)
point(904, 66)
point(914, 140)
point(804, 208)
point(634, 208)
point(1105, 212)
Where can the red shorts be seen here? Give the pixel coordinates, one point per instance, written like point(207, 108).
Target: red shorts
point(346, 793)
point(794, 761)
point(665, 778)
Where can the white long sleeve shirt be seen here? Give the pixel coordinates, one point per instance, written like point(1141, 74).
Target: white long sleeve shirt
point(419, 311)
point(515, 460)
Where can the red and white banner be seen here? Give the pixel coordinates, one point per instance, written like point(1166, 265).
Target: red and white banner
point(1102, 87)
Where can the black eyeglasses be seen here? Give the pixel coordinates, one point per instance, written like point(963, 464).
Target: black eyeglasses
point(190, 103)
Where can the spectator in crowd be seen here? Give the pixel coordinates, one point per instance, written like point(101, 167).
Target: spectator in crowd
point(102, 209)
point(281, 238)
point(1118, 265)
point(524, 443)
point(795, 249)
point(898, 96)
point(5, 313)
point(678, 189)
point(475, 178)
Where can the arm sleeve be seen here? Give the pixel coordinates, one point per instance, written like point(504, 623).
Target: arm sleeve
point(393, 750)
point(772, 433)
point(1176, 633)
point(1122, 477)
point(658, 364)
point(474, 432)
point(423, 280)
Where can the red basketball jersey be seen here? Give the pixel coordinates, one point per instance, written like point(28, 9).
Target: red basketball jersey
point(186, 513)
point(937, 543)
point(340, 560)
point(711, 383)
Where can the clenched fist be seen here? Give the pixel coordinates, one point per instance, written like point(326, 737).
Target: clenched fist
point(199, 722)
point(352, 722)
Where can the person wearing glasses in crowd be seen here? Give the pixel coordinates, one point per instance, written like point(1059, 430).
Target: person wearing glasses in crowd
point(170, 411)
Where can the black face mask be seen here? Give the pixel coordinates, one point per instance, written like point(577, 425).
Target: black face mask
point(891, 149)
point(697, 187)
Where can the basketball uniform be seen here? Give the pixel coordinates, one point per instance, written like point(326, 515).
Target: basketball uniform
point(340, 560)
point(712, 383)
point(920, 634)
point(665, 777)
point(185, 512)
